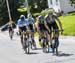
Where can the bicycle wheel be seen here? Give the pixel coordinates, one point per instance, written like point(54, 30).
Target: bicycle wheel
point(11, 35)
point(34, 44)
point(26, 47)
point(44, 45)
point(55, 45)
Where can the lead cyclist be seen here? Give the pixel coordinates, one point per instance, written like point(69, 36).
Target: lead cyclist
point(52, 25)
point(23, 26)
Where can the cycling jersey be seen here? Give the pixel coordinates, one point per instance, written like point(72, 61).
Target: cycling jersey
point(23, 23)
point(51, 22)
point(48, 20)
point(31, 20)
point(41, 19)
point(10, 27)
point(31, 23)
point(41, 23)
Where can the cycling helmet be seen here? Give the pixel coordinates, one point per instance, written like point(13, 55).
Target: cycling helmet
point(22, 17)
point(50, 11)
point(29, 16)
point(43, 13)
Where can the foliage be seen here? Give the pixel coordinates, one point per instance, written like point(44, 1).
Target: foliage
point(36, 6)
point(22, 9)
point(36, 14)
point(68, 22)
point(72, 2)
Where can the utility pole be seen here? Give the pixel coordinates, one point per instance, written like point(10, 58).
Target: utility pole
point(48, 3)
point(8, 10)
point(28, 10)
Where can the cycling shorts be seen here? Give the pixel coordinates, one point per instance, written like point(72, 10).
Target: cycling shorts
point(53, 26)
point(22, 29)
point(31, 27)
point(42, 27)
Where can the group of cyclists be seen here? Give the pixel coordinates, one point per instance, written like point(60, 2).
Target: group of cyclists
point(47, 23)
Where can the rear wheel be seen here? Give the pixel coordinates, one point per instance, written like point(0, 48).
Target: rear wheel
point(11, 35)
point(44, 46)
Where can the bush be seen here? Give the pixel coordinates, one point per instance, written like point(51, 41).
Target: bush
point(71, 12)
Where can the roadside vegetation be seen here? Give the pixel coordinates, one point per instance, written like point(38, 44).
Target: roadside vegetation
point(68, 23)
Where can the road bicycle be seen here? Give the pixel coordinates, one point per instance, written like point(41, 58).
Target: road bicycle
point(45, 44)
point(11, 34)
point(32, 42)
point(26, 42)
point(55, 42)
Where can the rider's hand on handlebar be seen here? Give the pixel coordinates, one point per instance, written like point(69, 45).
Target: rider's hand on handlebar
point(61, 31)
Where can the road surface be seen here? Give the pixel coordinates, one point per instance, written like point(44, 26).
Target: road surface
point(11, 51)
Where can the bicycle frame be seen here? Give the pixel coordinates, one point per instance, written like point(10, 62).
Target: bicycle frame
point(45, 42)
point(25, 42)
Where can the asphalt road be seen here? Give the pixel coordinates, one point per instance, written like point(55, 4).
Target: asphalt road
point(11, 51)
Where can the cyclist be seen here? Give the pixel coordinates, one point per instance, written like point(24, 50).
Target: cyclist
point(41, 26)
point(23, 26)
point(10, 28)
point(52, 25)
point(31, 27)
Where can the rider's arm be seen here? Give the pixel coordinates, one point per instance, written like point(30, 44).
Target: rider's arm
point(45, 22)
point(60, 24)
point(33, 23)
point(26, 24)
point(37, 24)
point(19, 25)
point(46, 26)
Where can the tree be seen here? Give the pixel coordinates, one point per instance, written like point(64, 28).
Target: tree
point(37, 5)
point(34, 5)
point(13, 4)
point(72, 2)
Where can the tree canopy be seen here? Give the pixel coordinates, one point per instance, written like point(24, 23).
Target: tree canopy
point(72, 2)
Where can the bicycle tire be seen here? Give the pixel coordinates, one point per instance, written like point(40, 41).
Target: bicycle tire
point(11, 35)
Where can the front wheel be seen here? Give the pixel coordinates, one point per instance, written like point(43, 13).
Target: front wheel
point(26, 47)
point(55, 45)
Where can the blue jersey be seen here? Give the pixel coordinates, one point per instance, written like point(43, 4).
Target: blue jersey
point(31, 20)
point(23, 23)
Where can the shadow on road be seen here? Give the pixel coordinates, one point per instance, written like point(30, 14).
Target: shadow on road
point(32, 53)
point(38, 49)
point(64, 54)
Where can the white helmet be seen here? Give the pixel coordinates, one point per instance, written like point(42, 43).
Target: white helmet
point(22, 17)
point(29, 16)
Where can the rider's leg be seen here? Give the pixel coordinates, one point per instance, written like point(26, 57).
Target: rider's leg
point(33, 40)
point(32, 33)
point(40, 36)
point(49, 38)
point(21, 37)
point(57, 39)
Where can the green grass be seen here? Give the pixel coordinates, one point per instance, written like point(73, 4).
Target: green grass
point(68, 23)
